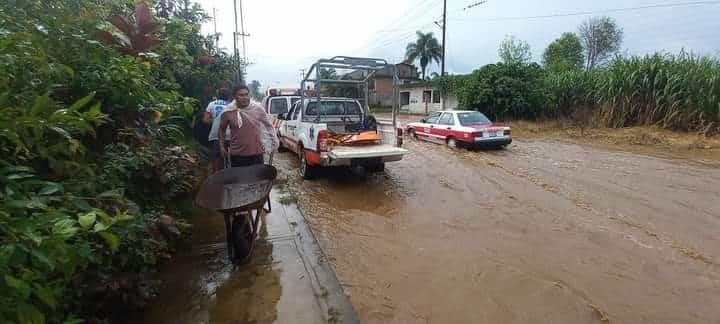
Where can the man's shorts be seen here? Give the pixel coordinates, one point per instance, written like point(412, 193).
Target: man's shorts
point(215, 149)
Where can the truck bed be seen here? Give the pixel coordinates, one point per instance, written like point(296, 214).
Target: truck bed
point(366, 151)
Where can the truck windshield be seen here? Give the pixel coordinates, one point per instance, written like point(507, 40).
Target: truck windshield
point(472, 118)
point(333, 108)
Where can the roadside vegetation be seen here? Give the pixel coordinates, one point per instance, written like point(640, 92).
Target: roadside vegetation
point(584, 80)
point(96, 101)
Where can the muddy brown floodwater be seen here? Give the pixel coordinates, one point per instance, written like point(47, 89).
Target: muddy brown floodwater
point(543, 232)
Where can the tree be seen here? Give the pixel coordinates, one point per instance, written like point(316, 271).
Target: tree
point(601, 38)
point(254, 87)
point(133, 35)
point(564, 53)
point(426, 49)
point(513, 51)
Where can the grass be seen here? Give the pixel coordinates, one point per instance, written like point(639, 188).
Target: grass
point(643, 136)
point(287, 196)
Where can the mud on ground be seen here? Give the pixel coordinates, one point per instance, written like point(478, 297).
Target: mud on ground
point(547, 231)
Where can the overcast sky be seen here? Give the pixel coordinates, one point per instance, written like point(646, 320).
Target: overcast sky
point(288, 35)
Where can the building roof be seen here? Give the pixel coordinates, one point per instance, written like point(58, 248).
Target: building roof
point(416, 85)
point(405, 71)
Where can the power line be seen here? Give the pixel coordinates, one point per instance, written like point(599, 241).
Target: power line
point(420, 9)
point(473, 5)
point(583, 13)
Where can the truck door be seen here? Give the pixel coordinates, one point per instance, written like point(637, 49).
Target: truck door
point(291, 125)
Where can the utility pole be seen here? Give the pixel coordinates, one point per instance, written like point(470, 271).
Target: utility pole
point(442, 64)
point(239, 63)
point(238, 78)
point(217, 36)
point(242, 32)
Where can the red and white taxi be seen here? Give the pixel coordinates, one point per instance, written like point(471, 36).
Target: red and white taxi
point(460, 127)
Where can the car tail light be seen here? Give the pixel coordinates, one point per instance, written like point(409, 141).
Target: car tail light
point(506, 132)
point(322, 141)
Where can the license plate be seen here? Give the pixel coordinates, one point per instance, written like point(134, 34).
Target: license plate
point(492, 134)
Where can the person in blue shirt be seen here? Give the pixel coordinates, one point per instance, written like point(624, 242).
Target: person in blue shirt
point(215, 107)
point(212, 115)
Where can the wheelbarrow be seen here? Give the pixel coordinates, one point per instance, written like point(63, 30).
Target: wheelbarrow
point(240, 194)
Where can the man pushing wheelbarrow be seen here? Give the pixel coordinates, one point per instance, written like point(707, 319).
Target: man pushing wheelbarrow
point(241, 190)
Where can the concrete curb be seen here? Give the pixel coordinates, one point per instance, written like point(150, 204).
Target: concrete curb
point(330, 296)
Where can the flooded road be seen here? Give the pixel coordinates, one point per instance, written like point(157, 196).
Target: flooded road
point(286, 281)
point(543, 232)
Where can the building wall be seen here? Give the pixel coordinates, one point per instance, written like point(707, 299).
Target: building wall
point(417, 106)
point(382, 96)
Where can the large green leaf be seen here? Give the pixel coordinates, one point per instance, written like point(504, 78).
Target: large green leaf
point(111, 239)
point(99, 227)
point(50, 189)
point(62, 132)
point(65, 228)
point(20, 286)
point(42, 258)
point(29, 314)
point(112, 194)
point(87, 220)
point(81, 102)
point(46, 295)
point(41, 105)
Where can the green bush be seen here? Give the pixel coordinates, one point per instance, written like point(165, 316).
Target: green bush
point(501, 90)
point(93, 149)
point(680, 92)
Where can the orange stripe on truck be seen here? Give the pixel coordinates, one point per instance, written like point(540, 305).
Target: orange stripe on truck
point(312, 157)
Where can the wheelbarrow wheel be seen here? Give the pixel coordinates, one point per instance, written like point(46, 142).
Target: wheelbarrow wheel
point(242, 239)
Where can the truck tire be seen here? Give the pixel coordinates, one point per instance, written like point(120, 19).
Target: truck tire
point(307, 171)
point(281, 147)
point(375, 168)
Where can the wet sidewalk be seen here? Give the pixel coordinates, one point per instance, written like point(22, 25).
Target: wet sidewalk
point(287, 281)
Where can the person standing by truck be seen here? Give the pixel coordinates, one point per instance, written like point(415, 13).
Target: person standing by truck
point(251, 132)
point(212, 113)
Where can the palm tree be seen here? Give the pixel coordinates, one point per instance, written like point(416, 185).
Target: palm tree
point(426, 48)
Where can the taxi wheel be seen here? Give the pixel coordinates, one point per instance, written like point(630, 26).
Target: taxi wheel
point(451, 143)
point(412, 134)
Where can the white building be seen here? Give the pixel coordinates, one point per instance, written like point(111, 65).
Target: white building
point(422, 98)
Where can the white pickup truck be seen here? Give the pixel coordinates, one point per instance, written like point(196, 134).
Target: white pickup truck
point(338, 133)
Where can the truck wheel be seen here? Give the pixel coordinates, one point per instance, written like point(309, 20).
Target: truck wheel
point(452, 143)
point(281, 147)
point(375, 168)
point(307, 171)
